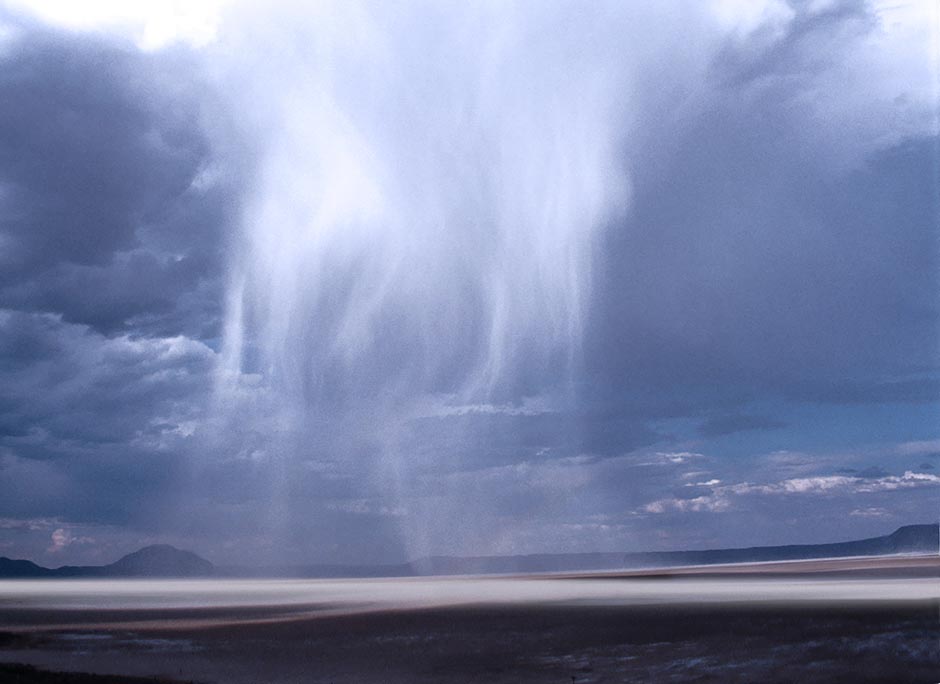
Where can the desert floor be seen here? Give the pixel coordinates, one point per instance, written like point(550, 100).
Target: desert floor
point(872, 620)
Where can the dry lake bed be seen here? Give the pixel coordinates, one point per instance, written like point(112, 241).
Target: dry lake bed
point(852, 620)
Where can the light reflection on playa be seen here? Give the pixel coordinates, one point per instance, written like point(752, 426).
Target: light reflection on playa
point(377, 594)
point(669, 628)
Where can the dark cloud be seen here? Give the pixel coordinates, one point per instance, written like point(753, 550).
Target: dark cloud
point(747, 268)
point(87, 155)
point(112, 215)
point(94, 428)
point(774, 253)
point(747, 262)
point(500, 438)
point(75, 386)
point(917, 390)
point(808, 44)
point(871, 472)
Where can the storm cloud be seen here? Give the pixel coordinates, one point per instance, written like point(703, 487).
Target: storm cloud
point(693, 302)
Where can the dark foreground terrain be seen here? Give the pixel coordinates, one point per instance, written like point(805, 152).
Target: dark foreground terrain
point(810, 627)
point(27, 674)
point(794, 643)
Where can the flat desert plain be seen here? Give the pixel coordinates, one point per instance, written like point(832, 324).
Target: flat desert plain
point(839, 620)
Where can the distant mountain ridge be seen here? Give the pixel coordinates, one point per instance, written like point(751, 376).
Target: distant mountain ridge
point(907, 539)
point(910, 539)
point(159, 560)
point(167, 561)
point(163, 560)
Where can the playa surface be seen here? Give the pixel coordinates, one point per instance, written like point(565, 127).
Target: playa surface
point(874, 620)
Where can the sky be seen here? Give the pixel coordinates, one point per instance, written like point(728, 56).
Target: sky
point(354, 283)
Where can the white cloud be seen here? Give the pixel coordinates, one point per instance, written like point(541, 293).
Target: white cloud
point(870, 512)
point(366, 507)
point(442, 406)
point(707, 504)
point(32, 524)
point(152, 24)
point(720, 498)
point(744, 17)
point(61, 538)
point(839, 483)
point(927, 446)
point(677, 457)
point(488, 409)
